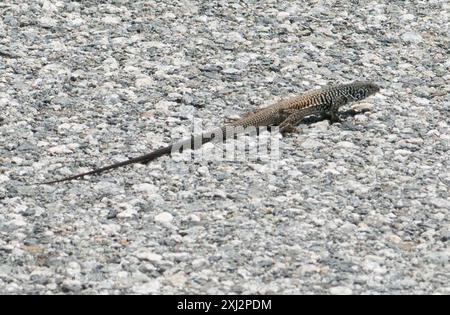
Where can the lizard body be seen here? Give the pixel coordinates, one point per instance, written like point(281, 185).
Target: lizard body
point(286, 114)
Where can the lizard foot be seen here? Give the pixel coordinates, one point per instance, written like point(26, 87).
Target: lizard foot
point(287, 128)
point(334, 118)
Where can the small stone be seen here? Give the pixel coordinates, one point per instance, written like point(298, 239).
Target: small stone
point(321, 125)
point(178, 279)
point(127, 214)
point(362, 107)
point(282, 16)
point(144, 82)
point(203, 170)
point(440, 203)
point(3, 178)
point(440, 257)
point(169, 16)
point(263, 261)
point(148, 268)
point(112, 213)
point(311, 144)
point(111, 19)
point(164, 217)
point(402, 152)
point(235, 37)
point(360, 119)
point(111, 229)
point(110, 64)
point(149, 287)
point(194, 218)
point(48, 7)
point(372, 263)
point(76, 22)
point(445, 236)
point(73, 269)
point(147, 255)
point(149, 189)
point(220, 194)
point(108, 187)
point(186, 111)
point(72, 127)
point(412, 37)
point(164, 106)
point(408, 282)
point(199, 262)
point(18, 222)
point(41, 276)
point(147, 114)
point(17, 160)
point(71, 285)
point(230, 71)
point(422, 101)
point(309, 268)
point(394, 239)
point(408, 17)
point(47, 22)
point(182, 256)
point(346, 145)
point(60, 149)
point(341, 290)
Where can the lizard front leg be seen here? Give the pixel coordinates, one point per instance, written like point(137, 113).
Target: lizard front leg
point(295, 116)
point(332, 114)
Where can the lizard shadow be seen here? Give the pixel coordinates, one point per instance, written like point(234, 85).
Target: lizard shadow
point(342, 115)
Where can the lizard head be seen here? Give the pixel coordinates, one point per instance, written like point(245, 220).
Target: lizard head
point(360, 90)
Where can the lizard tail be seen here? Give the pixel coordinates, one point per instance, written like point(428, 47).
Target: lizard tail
point(194, 142)
point(140, 159)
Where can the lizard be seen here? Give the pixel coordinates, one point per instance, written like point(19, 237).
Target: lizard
point(285, 114)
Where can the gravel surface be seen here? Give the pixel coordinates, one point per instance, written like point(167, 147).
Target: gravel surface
point(356, 207)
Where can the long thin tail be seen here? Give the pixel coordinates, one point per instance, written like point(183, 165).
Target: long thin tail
point(192, 143)
point(140, 159)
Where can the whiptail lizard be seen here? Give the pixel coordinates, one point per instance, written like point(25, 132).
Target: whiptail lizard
point(285, 114)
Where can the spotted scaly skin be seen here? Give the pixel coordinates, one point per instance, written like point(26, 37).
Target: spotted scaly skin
point(286, 114)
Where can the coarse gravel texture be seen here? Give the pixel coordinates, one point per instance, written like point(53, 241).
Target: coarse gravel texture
point(358, 207)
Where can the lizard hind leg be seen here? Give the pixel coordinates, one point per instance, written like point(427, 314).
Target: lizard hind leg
point(332, 115)
point(294, 117)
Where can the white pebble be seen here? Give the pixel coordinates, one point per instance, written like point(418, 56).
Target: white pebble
point(311, 144)
point(178, 279)
point(282, 16)
point(164, 217)
point(147, 288)
point(144, 82)
point(203, 170)
point(146, 188)
point(111, 20)
point(345, 144)
point(147, 255)
point(363, 106)
point(412, 37)
point(60, 149)
point(3, 178)
point(127, 214)
point(341, 290)
point(194, 218)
